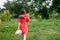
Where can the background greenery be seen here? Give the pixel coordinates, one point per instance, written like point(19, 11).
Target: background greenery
point(34, 7)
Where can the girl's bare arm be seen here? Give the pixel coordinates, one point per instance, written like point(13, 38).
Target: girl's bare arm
point(19, 25)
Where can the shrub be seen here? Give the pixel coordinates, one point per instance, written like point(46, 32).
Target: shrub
point(5, 15)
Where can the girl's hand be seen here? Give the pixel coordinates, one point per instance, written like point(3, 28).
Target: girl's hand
point(27, 14)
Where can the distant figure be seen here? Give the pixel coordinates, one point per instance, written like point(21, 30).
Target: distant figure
point(23, 18)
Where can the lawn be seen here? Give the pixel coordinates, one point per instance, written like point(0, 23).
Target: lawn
point(38, 30)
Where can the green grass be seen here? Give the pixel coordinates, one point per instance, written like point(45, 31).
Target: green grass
point(38, 30)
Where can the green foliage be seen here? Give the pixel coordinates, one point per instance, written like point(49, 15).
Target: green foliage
point(5, 15)
point(56, 5)
point(38, 30)
point(16, 5)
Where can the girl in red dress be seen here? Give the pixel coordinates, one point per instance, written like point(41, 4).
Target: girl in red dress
point(23, 18)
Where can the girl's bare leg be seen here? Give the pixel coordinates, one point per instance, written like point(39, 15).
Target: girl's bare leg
point(23, 36)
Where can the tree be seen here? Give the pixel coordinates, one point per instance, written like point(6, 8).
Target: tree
point(56, 5)
point(38, 7)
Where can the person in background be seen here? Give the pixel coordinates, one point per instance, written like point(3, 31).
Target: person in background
point(23, 18)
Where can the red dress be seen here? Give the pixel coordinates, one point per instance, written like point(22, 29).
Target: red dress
point(23, 25)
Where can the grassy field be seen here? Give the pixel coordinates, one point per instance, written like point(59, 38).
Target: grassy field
point(38, 30)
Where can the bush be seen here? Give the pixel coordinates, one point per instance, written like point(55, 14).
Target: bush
point(5, 15)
